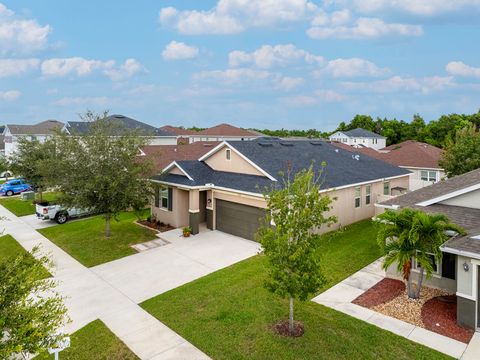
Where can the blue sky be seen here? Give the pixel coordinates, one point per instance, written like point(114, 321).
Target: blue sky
point(264, 64)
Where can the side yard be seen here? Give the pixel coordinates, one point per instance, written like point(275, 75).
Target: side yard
point(85, 240)
point(22, 208)
point(235, 312)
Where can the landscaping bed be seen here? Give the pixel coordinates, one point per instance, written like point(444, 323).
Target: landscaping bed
point(156, 225)
point(389, 297)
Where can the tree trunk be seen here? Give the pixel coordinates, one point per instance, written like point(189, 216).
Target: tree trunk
point(419, 284)
point(107, 226)
point(40, 192)
point(410, 292)
point(290, 318)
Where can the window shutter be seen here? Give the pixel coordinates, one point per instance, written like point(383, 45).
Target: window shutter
point(170, 199)
point(156, 189)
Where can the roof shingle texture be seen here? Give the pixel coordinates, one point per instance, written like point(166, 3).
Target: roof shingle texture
point(177, 130)
point(359, 132)
point(48, 127)
point(226, 130)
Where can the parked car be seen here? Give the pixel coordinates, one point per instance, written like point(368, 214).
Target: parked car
point(15, 186)
point(48, 211)
point(6, 174)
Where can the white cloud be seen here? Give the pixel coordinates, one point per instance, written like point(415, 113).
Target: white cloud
point(235, 16)
point(329, 95)
point(179, 51)
point(21, 36)
point(79, 66)
point(289, 83)
point(414, 7)
point(9, 95)
point(397, 83)
point(318, 96)
point(364, 28)
point(458, 68)
point(14, 67)
point(267, 56)
point(233, 76)
point(68, 101)
point(129, 68)
point(352, 67)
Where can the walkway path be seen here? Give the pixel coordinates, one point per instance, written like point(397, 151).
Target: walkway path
point(89, 297)
point(340, 296)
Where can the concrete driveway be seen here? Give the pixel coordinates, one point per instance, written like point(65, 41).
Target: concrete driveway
point(152, 272)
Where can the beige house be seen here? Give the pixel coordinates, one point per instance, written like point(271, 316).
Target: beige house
point(224, 188)
point(459, 271)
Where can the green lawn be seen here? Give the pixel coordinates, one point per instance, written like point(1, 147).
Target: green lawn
point(22, 208)
point(94, 341)
point(229, 314)
point(86, 242)
point(10, 249)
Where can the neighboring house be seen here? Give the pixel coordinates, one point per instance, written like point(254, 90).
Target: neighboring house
point(40, 131)
point(224, 188)
point(183, 134)
point(420, 158)
point(2, 140)
point(459, 271)
point(223, 132)
point(359, 138)
point(124, 123)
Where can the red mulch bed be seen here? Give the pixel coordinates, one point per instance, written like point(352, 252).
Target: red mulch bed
point(157, 225)
point(281, 328)
point(439, 314)
point(382, 292)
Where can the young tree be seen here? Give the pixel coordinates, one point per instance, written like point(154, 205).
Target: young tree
point(31, 312)
point(297, 211)
point(101, 170)
point(409, 235)
point(462, 154)
point(29, 160)
point(4, 165)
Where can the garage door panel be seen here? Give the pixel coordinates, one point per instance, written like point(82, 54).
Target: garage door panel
point(238, 219)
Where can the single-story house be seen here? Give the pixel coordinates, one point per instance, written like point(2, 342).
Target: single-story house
point(40, 132)
point(359, 138)
point(223, 132)
point(156, 136)
point(459, 271)
point(224, 188)
point(420, 158)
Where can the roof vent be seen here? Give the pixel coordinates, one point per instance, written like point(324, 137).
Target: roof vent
point(286, 144)
point(265, 144)
point(356, 157)
point(207, 145)
point(316, 143)
point(119, 116)
point(336, 150)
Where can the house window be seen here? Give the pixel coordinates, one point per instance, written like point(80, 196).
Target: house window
point(345, 140)
point(368, 194)
point(386, 188)
point(164, 197)
point(228, 154)
point(435, 264)
point(357, 196)
point(426, 175)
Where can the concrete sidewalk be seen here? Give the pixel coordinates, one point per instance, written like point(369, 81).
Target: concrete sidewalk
point(89, 297)
point(340, 297)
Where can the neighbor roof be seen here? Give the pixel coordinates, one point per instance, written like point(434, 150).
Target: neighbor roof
point(409, 153)
point(226, 130)
point(47, 127)
point(274, 156)
point(177, 130)
point(83, 127)
point(359, 132)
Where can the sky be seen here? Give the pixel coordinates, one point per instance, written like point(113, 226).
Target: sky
point(295, 64)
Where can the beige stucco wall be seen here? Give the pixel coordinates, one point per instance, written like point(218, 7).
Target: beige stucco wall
point(175, 170)
point(236, 163)
point(464, 278)
point(178, 217)
point(470, 200)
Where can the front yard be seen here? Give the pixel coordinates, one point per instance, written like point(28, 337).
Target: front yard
point(22, 208)
point(94, 341)
point(85, 240)
point(229, 314)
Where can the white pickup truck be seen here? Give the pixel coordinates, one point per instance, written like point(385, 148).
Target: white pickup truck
point(47, 211)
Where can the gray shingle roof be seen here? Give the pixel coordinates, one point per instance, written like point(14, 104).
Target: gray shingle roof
point(124, 123)
point(47, 127)
point(276, 156)
point(359, 132)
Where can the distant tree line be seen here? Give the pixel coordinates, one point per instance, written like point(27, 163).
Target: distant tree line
point(436, 132)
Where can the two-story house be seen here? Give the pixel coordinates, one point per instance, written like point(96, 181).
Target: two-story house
point(359, 138)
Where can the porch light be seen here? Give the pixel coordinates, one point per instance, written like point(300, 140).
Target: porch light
point(466, 266)
point(209, 201)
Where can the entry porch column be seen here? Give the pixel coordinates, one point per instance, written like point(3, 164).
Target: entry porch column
point(194, 210)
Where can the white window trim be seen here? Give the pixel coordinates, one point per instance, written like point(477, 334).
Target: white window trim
point(368, 194)
point(389, 190)
point(436, 274)
point(228, 154)
point(161, 197)
point(359, 197)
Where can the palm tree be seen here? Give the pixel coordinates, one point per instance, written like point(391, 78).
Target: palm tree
point(409, 235)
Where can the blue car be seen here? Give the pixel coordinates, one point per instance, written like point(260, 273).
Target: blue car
point(15, 186)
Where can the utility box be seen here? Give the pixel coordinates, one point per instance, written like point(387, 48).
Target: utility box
point(27, 195)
